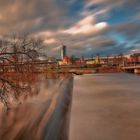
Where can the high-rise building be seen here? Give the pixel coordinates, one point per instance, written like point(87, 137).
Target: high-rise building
point(63, 52)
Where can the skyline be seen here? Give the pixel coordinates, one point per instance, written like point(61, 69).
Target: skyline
point(86, 27)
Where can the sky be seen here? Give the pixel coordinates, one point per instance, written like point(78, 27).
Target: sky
point(86, 27)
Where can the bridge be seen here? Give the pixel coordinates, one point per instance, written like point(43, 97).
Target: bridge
point(132, 69)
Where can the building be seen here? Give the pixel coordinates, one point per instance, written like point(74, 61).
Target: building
point(63, 52)
point(65, 61)
point(134, 59)
point(98, 58)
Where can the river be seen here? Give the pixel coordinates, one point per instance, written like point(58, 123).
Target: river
point(103, 107)
point(106, 107)
point(42, 115)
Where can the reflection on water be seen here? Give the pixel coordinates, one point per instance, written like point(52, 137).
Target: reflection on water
point(32, 108)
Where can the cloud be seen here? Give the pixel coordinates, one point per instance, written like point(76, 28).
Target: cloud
point(79, 44)
point(113, 3)
point(86, 26)
point(103, 41)
point(104, 8)
point(30, 16)
point(49, 41)
point(130, 29)
point(135, 50)
point(85, 36)
point(82, 27)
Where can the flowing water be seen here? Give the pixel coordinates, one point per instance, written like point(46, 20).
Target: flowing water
point(42, 115)
point(106, 107)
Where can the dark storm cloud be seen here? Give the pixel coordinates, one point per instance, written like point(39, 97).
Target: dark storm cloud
point(129, 30)
point(31, 15)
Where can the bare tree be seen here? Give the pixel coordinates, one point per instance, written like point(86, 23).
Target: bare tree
point(17, 53)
